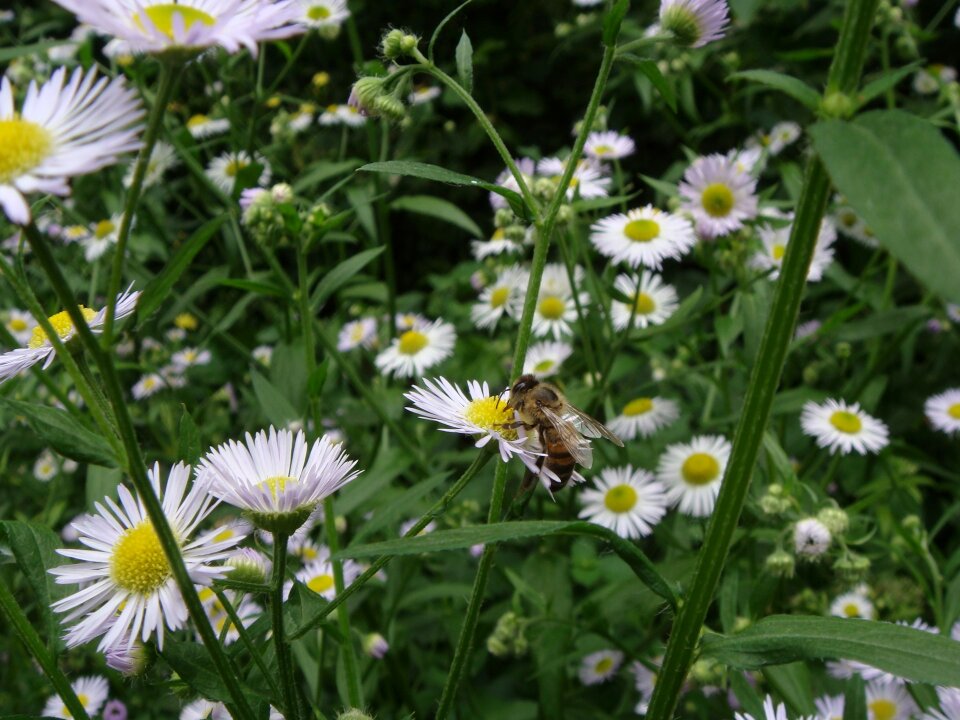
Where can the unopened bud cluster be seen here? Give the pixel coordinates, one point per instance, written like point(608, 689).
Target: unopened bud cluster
point(508, 637)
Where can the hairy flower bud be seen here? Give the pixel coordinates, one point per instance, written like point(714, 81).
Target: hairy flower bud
point(836, 520)
point(780, 563)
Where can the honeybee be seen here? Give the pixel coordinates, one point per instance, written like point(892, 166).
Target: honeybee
point(541, 405)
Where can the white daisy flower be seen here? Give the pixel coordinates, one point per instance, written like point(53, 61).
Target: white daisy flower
point(416, 350)
point(717, 195)
point(847, 428)
point(586, 3)
point(852, 604)
point(149, 26)
point(949, 697)
point(503, 296)
point(375, 645)
point(694, 22)
point(770, 711)
point(644, 680)
point(274, 473)
point(318, 576)
point(806, 329)
point(545, 358)
point(811, 538)
point(38, 347)
point(626, 501)
point(263, 354)
point(202, 709)
point(45, 468)
point(407, 526)
point(64, 128)
point(176, 335)
point(608, 145)
point(555, 313)
point(889, 701)
point(7, 16)
point(775, 240)
point(203, 126)
point(587, 181)
point(556, 280)
point(323, 13)
point(127, 588)
point(20, 324)
point(782, 135)
point(476, 413)
point(147, 385)
point(653, 301)
point(410, 321)
point(190, 357)
point(423, 94)
point(693, 472)
point(74, 234)
point(643, 236)
point(527, 168)
point(223, 169)
point(496, 245)
point(162, 158)
point(248, 611)
point(600, 666)
point(829, 707)
point(852, 225)
point(943, 411)
point(358, 333)
point(103, 235)
point(349, 116)
point(644, 416)
point(91, 691)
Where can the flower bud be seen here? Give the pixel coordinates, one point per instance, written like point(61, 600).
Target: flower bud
point(390, 107)
point(132, 662)
point(249, 566)
point(390, 44)
point(780, 563)
point(836, 520)
point(852, 568)
point(364, 95)
point(354, 714)
point(842, 350)
point(375, 645)
point(281, 193)
point(838, 105)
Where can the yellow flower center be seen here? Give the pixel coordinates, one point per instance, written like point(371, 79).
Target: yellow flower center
point(620, 498)
point(62, 324)
point(138, 564)
point(412, 342)
point(277, 484)
point(498, 234)
point(543, 366)
point(23, 146)
point(321, 583)
point(149, 383)
point(356, 335)
point(846, 422)
point(883, 709)
point(84, 700)
point(602, 150)
point(17, 325)
point(103, 228)
point(642, 230)
point(490, 413)
point(603, 666)
point(185, 321)
point(778, 251)
point(205, 594)
point(225, 534)
point(235, 166)
point(851, 610)
point(644, 304)
point(499, 297)
point(552, 307)
point(308, 553)
point(197, 121)
point(700, 468)
point(848, 219)
point(162, 15)
point(320, 79)
point(717, 200)
point(640, 406)
point(953, 411)
point(318, 12)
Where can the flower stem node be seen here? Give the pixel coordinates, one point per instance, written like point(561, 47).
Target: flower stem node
point(836, 520)
point(565, 215)
point(838, 105)
point(281, 523)
point(780, 563)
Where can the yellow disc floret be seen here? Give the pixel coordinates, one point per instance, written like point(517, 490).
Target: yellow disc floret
point(318, 12)
point(639, 406)
point(499, 296)
point(620, 498)
point(23, 146)
point(552, 307)
point(162, 14)
point(603, 666)
point(700, 469)
point(644, 304)
point(642, 230)
point(851, 610)
point(882, 709)
point(490, 413)
point(717, 200)
point(277, 484)
point(62, 324)
point(321, 583)
point(778, 251)
point(103, 228)
point(954, 411)
point(846, 422)
point(412, 342)
point(138, 564)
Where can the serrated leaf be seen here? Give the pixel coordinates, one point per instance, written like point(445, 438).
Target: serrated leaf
point(275, 406)
point(787, 84)
point(901, 176)
point(903, 651)
point(340, 274)
point(158, 289)
point(612, 22)
point(437, 208)
point(61, 432)
point(464, 57)
point(426, 171)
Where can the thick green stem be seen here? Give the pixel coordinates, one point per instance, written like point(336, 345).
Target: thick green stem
point(291, 706)
point(24, 630)
point(434, 512)
point(137, 471)
point(168, 76)
point(352, 670)
point(764, 379)
point(247, 640)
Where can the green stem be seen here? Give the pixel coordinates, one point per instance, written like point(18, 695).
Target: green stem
point(434, 512)
point(384, 234)
point(137, 471)
point(247, 640)
point(24, 630)
point(764, 379)
point(288, 687)
point(352, 671)
point(168, 76)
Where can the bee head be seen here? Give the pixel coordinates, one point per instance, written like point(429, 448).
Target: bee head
point(524, 383)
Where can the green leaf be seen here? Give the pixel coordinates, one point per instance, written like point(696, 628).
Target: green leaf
point(158, 289)
point(901, 176)
point(612, 22)
point(339, 275)
point(190, 444)
point(464, 56)
point(887, 81)
point(661, 186)
point(649, 69)
point(62, 432)
point(438, 208)
point(792, 683)
point(275, 406)
point(439, 174)
point(321, 171)
point(10, 53)
point(855, 700)
point(795, 88)
point(884, 322)
point(191, 662)
point(101, 483)
point(903, 651)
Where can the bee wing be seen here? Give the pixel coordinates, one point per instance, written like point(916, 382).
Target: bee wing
point(577, 445)
point(591, 427)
